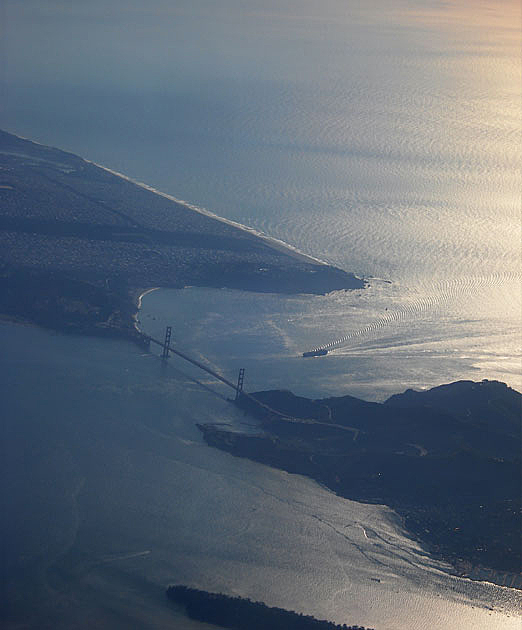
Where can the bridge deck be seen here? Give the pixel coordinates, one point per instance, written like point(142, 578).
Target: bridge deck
point(215, 374)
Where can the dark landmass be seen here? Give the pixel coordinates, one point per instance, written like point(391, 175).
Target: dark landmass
point(243, 614)
point(77, 243)
point(447, 460)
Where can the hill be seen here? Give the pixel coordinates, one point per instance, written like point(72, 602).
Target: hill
point(447, 460)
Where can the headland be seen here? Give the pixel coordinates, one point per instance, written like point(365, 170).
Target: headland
point(447, 460)
point(79, 243)
point(239, 613)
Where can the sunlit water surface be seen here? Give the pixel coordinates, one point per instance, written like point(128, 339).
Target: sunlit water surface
point(381, 137)
point(112, 495)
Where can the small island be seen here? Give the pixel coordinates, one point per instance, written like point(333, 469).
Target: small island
point(79, 244)
point(447, 460)
point(238, 613)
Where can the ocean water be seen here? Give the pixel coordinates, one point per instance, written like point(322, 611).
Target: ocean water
point(381, 137)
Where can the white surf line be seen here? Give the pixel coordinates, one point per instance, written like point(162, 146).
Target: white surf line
point(144, 293)
point(274, 242)
point(136, 315)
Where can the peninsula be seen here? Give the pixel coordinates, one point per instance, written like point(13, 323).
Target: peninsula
point(238, 613)
point(447, 460)
point(80, 243)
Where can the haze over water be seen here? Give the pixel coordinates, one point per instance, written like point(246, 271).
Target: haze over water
point(383, 137)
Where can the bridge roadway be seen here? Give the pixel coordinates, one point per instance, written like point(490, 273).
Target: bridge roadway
point(249, 396)
point(196, 363)
point(215, 375)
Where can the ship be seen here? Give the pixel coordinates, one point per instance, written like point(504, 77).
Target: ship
point(315, 353)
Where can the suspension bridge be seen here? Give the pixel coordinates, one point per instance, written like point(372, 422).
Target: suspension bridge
point(167, 350)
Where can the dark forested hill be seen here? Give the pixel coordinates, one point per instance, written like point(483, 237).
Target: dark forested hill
point(238, 613)
point(447, 459)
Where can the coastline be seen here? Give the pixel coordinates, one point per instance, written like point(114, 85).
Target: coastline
point(80, 241)
point(123, 302)
point(229, 442)
point(142, 294)
point(301, 438)
point(239, 613)
point(139, 295)
point(271, 241)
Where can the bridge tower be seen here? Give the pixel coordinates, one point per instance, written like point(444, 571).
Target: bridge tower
point(240, 379)
point(166, 343)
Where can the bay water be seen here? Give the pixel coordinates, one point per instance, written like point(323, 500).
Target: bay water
point(111, 495)
point(381, 137)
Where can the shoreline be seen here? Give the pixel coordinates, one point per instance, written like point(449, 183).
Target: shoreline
point(222, 439)
point(139, 298)
point(309, 437)
point(143, 293)
point(83, 245)
point(93, 272)
point(461, 570)
point(273, 242)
